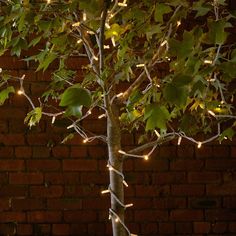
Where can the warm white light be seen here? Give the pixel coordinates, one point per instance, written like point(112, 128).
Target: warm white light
point(84, 16)
point(113, 41)
point(48, 1)
point(90, 32)
point(95, 58)
point(211, 113)
point(79, 41)
point(20, 92)
point(107, 26)
point(119, 95)
point(178, 23)
point(122, 4)
point(140, 65)
point(117, 220)
point(157, 134)
point(53, 119)
point(179, 140)
point(76, 24)
point(146, 157)
point(199, 145)
point(101, 116)
point(129, 205)
point(208, 61)
point(163, 43)
point(106, 46)
point(105, 191)
point(85, 140)
point(122, 152)
point(0, 70)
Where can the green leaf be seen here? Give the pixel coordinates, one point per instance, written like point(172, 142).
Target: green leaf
point(181, 80)
point(157, 117)
point(217, 32)
point(74, 111)
point(34, 116)
point(228, 133)
point(160, 10)
point(35, 41)
point(175, 95)
point(4, 94)
point(76, 96)
point(49, 58)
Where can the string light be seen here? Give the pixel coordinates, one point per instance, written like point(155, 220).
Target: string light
point(79, 41)
point(179, 140)
point(95, 58)
point(76, 24)
point(157, 134)
point(208, 61)
point(178, 23)
point(0, 70)
point(119, 95)
point(113, 41)
point(101, 116)
point(199, 145)
point(20, 92)
point(146, 157)
point(140, 65)
point(84, 16)
point(48, 1)
point(85, 140)
point(164, 43)
point(53, 119)
point(106, 46)
point(122, 4)
point(211, 113)
point(107, 26)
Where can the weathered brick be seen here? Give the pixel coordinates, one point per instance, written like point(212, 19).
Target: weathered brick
point(23, 152)
point(61, 152)
point(204, 177)
point(65, 204)
point(183, 228)
point(78, 152)
point(27, 204)
point(169, 177)
point(13, 216)
point(202, 227)
point(185, 164)
point(221, 189)
point(43, 165)
point(187, 190)
point(61, 229)
point(26, 178)
point(6, 152)
point(220, 215)
point(167, 228)
point(186, 215)
point(13, 191)
point(221, 164)
point(83, 216)
point(62, 178)
point(46, 191)
point(12, 139)
point(79, 165)
point(152, 215)
point(12, 165)
point(157, 165)
point(24, 229)
point(41, 152)
point(44, 216)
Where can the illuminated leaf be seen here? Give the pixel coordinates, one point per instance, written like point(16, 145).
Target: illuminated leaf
point(4, 94)
point(34, 116)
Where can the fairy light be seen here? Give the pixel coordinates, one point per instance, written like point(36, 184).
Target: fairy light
point(20, 92)
point(0, 70)
point(146, 157)
point(107, 26)
point(95, 58)
point(48, 1)
point(179, 140)
point(85, 140)
point(119, 95)
point(53, 119)
point(140, 65)
point(101, 116)
point(157, 134)
point(76, 24)
point(122, 4)
point(164, 43)
point(79, 41)
point(199, 145)
point(211, 113)
point(122, 152)
point(208, 61)
point(84, 16)
point(90, 32)
point(178, 23)
point(117, 220)
point(106, 46)
point(113, 41)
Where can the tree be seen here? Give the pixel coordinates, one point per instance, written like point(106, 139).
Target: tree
point(175, 60)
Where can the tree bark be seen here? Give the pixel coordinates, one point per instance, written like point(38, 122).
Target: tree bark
point(115, 159)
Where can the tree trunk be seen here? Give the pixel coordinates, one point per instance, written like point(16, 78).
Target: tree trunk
point(116, 182)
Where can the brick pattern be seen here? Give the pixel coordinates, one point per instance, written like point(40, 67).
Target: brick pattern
point(47, 188)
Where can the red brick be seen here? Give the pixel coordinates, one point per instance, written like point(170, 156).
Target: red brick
point(149, 228)
point(12, 216)
point(169, 177)
point(220, 215)
point(152, 215)
point(185, 164)
point(83, 216)
point(219, 227)
point(204, 177)
point(82, 190)
point(12, 165)
point(6, 152)
point(221, 189)
point(65, 204)
point(41, 152)
point(201, 227)
point(3, 126)
point(23, 152)
point(170, 203)
point(12, 139)
point(233, 151)
point(60, 152)
point(187, 190)
point(186, 215)
point(96, 228)
point(12, 63)
point(137, 178)
point(61, 229)
point(91, 203)
point(204, 202)
point(42, 139)
point(8, 229)
point(221, 164)
point(48, 192)
point(79, 229)
point(43, 165)
point(79, 165)
point(97, 151)
point(167, 228)
point(151, 191)
point(13, 191)
point(157, 165)
point(185, 151)
point(221, 151)
point(78, 152)
point(168, 152)
point(5, 204)
point(12, 113)
point(183, 228)
point(24, 229)
point(62, 178)
point(3, 178)
point(27, 204)
point(44, 216)
point(26, 178)
point(88, 178)
point(229, 202)
point(232, 227)
point(204, 152)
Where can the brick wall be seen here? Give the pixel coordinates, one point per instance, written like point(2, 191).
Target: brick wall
point(47, 188)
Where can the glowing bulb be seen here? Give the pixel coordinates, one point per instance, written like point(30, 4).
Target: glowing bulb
point(105, 191)
point(178, 23)
point(0, 70)
point(163, 43)
point(79, 41)
point(125, 183)
point(53, 119)
point(211, 113)
point(107, 26)
point(140, 65)
point(20, 92)
point(106, 46)
point(157, 134)
point(208, 61)
point(119, 95)
point(113, 41)
point(117, 220)
point(85, 140)
point(146, 157)
point(48, 1)
point(122, 152)
point(129, 205)
point(95, 58)
point(76, 24)
point(179, 140)
point(122, 4)
point(84, 16)
point(199, 145)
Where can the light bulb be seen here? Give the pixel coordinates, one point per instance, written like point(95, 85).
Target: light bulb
point(179, 140)
point(146, 157)
point(199, 145)
point(20, 92)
